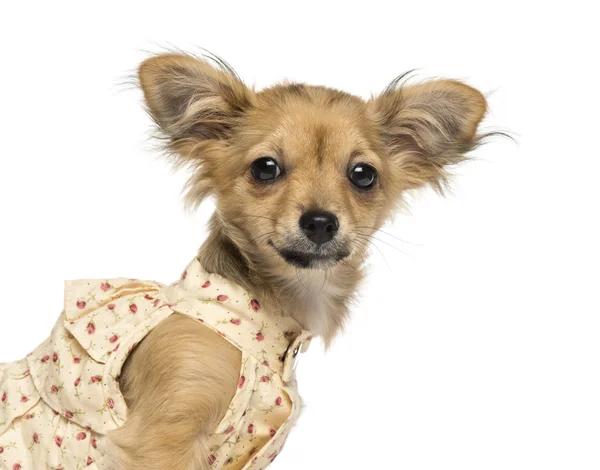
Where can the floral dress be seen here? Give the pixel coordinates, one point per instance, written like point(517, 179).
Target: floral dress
point(58, 403)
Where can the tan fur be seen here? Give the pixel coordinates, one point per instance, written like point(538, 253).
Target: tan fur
point(217, 126)
point(177, 384)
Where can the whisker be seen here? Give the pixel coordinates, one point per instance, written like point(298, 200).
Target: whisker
point(370, 243)
point(365, 252)
point(324, 281)
point(362, 250)
point(384, 242)
point(299, 276)
point(246, 216)
point(284, 269)
point(348, 263)
point(390, 235)
point(260, 236)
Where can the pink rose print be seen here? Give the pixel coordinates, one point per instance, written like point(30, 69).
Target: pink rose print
point(242, 381)
point(110, 306)
point(77, 381)
point(45, 359)
point(1, 449)
point(76, 360)
point(93, 442)
point(255, 305)
point(54, 357)
point(96, 379)
point(3, 397)
point(156, 302)
point(91, 328)
point(105, 286)
point(212, 459)
point(17, 466)
point(54, 389)
point(264, 379)
point(28, 416)
point(278, 401)
point(235, 321)
point(260, 337)
point(111, 403)
point(272, 432)
point(206, 284)
point(90, 460)
point(229, 430)
point(24, 399)
point(58, 441)
point(184, 275)
point(36, 438)
point(250, 428)
point(68, 414)
point(113, 339)
point(133, 308)
point(81, 304)
point(80, 436)
point(222, 297)
point(272, 456)
point(266, 363)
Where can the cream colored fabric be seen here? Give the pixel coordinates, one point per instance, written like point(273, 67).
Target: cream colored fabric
point(58, 403)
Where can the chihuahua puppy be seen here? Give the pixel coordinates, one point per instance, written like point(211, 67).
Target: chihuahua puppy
point(301, 176)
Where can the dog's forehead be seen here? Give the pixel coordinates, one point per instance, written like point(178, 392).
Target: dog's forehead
point(315, 122)
point(300, 92)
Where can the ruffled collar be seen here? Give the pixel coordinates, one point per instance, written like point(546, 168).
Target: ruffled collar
point(238, 316)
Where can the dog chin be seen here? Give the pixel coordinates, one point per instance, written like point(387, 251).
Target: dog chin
point(307, 260)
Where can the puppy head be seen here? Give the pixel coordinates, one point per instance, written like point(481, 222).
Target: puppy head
point(303, 175)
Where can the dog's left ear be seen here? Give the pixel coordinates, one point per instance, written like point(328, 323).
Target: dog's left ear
point(427, 127)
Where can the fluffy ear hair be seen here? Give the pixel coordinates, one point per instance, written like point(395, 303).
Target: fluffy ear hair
point(427, 127)
point(190, 100)
point(196, 107)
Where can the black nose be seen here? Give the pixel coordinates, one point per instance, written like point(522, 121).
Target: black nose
point(319, 227)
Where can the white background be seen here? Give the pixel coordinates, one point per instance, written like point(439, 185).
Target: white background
point(476, 349)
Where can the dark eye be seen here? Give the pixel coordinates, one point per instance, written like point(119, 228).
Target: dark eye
point(363, 176)
point(265, 169)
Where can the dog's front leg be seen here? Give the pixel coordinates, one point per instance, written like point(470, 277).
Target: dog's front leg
point(178, 384)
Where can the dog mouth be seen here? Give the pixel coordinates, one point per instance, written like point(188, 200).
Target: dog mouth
point(308, 260)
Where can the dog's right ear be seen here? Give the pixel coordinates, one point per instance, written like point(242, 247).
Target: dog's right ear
point(191, 101)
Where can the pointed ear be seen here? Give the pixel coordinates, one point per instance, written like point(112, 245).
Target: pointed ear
point(192, 101)
point(427, 127)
